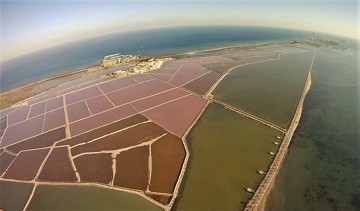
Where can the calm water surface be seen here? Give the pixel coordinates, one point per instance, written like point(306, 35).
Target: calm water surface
point(322, 170)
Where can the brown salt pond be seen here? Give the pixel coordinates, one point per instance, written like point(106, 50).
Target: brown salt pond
point(142, 78)
point(5, 160)
point(68, 90)
point(7, 111)
point(99, 120)
point(117, 84)
point(95, 168)
point(163, 77)
point(18, 115)
point(16, 133)
point(130, 137)
point(40, 141)
point(54, 103)
point(167, 115)
point(127, 95)
point(185, 75)
point(157, 86)
point(99, 104)
point(203, 84)
point(54, 119)
point(138, 118)
point(132, 168)
point(168, 155)
point(58, 167)
point(37, 109)
point(156, 100)
point(166, 70)
point(82, 94)
point(26, 165)
point(78, 111)
point(3, 123)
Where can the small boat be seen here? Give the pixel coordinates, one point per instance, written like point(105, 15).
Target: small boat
point(278, 137)
point(276, 143)
point(250, 190)
point(261, 172)
point(271, 153)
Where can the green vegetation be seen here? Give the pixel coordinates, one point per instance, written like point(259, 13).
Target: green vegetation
point(226, 151)
point(67, 197)
point(14, 195)
point(322, 171)
point(270, 90)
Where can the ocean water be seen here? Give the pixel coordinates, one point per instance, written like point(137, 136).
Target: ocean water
point(75, 55)
point(322, 168)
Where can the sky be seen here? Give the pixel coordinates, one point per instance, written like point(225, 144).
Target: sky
point(28, 26)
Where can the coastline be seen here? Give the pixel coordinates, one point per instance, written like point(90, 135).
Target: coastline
point(14, 96)
point(11, 97)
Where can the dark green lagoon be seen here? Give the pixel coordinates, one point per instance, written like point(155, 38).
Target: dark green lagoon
point(72, 197)
point(14, 195)
point(226, 151)
point(270, 90)
point(322, 170)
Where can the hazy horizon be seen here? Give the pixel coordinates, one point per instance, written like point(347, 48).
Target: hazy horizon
point(31, 26)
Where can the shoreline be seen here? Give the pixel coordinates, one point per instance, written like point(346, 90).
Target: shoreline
point(19, 94)
point(14, 96)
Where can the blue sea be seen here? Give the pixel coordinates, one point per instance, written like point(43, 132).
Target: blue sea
point(75, 55)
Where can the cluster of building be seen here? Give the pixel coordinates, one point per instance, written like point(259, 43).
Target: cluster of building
point(117, 59)
point(144, 64)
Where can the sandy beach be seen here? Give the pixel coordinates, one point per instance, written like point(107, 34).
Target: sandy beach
point(9, 98)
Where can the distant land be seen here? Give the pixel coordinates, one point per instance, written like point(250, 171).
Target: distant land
point(84, 53)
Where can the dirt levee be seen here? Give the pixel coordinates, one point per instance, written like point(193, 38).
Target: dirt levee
point(132, 136)
point(58, 167)
point(43, 140)
point(132, 168)
point(95, 168)
point(168, 155)
point(26, 165)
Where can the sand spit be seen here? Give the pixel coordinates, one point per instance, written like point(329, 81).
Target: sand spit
point(258, 200)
